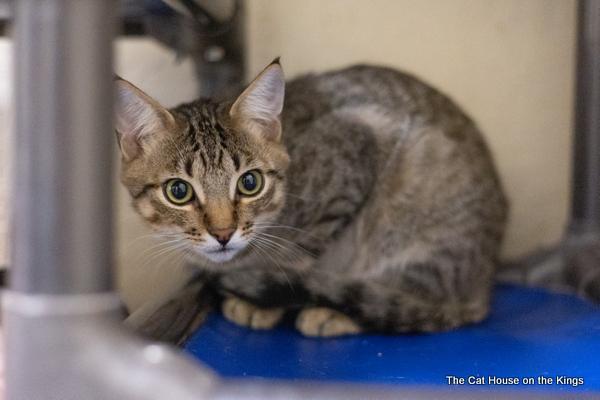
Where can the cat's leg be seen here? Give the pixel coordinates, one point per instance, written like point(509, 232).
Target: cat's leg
point(244, 313)
point(258, 297)
point(323, 321)
point(582, 269)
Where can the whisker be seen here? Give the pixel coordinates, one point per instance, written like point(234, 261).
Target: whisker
point(180, 259)
point(153, 235)
point(277, 248)
point(291, 228)
point(307, 252)
point(160, 250)
point(278, 266)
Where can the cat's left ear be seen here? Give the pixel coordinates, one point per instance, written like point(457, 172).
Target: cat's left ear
point(257, 110)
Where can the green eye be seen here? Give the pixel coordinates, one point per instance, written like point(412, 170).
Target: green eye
point(250, 183)
point(178, 191)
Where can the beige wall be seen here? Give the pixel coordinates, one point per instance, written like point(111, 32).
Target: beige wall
point(509, 63)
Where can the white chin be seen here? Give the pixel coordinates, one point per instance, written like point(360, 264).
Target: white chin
point(221, 256)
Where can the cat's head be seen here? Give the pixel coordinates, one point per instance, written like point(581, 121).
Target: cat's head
point(205, 174)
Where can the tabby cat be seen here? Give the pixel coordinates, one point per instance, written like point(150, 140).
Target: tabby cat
point(366, 201)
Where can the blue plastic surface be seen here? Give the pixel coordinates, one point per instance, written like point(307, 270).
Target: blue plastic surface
point(529, 333)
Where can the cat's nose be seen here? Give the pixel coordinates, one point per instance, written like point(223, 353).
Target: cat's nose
point(222, 235)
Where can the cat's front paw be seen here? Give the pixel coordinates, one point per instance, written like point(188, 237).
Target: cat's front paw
point(325, 322)
point(243, 313)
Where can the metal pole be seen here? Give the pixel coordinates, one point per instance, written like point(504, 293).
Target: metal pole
point(585, 212)
point(61, 191)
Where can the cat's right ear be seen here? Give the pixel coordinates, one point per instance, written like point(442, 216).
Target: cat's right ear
point(138, 119)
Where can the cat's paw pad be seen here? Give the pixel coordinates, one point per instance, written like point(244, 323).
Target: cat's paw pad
point(322, 321)
point(243, 313)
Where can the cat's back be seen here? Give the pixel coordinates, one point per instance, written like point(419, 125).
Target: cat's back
point(373, 91)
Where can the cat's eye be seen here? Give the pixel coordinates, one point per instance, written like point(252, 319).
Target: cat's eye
point(178, 191)
point(250, 184)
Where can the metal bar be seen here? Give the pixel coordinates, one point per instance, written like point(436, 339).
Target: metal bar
point(585, 212)
point(62, 175)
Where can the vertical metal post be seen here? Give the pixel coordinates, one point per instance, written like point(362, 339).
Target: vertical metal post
point(585, 212)
point(61, 191)
point(61, 187)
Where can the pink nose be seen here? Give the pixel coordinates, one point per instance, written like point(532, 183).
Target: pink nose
point(222, 235)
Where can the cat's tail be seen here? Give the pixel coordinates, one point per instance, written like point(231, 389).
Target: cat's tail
point(582, 271)
point(393, 307)
point(175, 318)
point(573, 266)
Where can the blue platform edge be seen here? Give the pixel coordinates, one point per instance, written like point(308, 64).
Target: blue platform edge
point(530, 333)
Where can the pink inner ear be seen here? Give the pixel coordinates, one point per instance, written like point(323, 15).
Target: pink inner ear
point(130, 147)
point(261, 103)
point(266, 129)
point(127, 132)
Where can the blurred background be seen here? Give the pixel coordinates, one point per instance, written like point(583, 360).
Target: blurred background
point(508, 63)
